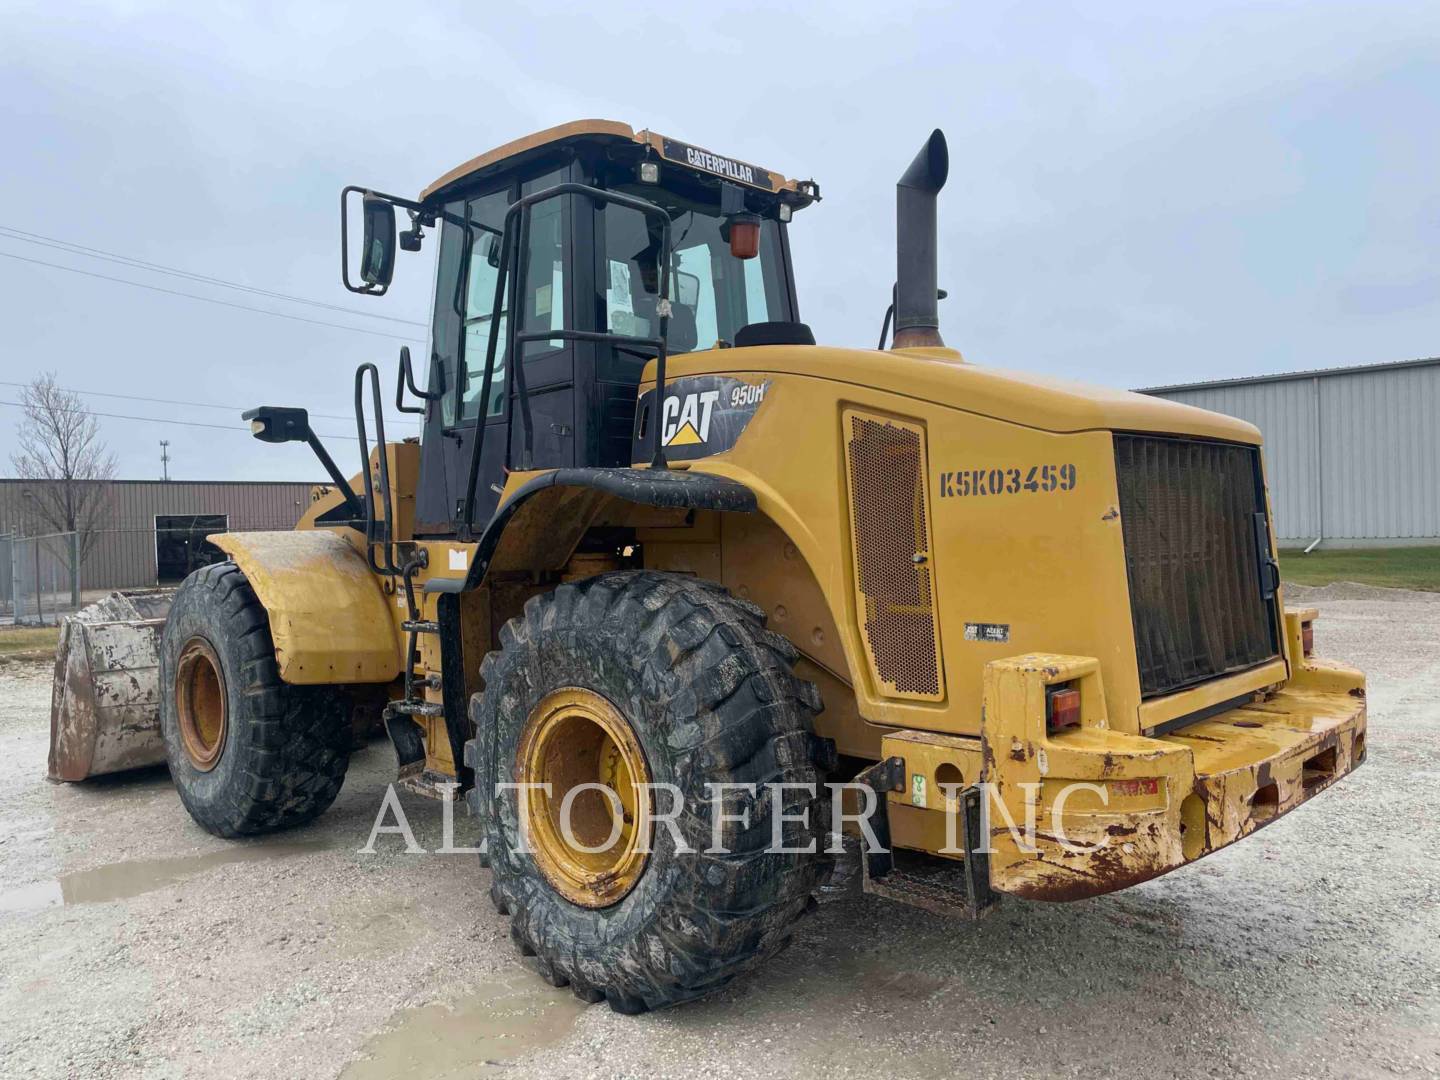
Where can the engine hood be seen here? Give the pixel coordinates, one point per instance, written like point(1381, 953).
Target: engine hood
point(942, 376)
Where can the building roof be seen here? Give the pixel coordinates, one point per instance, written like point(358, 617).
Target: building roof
point(1287, 376)
point(613, 130)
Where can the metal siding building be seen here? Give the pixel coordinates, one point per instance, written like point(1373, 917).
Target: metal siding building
point(124, 553)
point(1352, 454)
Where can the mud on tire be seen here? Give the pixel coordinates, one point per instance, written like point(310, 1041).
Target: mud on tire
point(284, 749)
point(711, 696)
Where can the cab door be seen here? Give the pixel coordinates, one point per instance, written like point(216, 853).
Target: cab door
point(468, 266)
point(545, 299)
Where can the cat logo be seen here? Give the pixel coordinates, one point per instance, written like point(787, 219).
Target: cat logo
point(687, 420)
point(702, 415)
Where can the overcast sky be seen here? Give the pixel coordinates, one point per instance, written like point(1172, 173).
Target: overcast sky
point(1139, 193)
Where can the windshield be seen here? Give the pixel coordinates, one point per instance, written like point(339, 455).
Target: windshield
point(714, 294)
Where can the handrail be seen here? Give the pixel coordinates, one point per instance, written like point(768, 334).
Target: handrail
point(405, 377)
point(516, 252)
point(375, 533)
point(521, 255)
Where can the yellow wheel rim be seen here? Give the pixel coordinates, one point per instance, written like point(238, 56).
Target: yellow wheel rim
point(200, 705)
point(578, 743)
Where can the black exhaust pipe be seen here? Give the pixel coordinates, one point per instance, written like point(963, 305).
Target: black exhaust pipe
point(917, 307)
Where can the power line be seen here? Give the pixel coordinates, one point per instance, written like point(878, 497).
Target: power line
point(209, 299)
point(182, 423)
point(174, 271)
point(171, 401)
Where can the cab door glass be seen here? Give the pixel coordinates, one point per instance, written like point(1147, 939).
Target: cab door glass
point(486, 219)
point(631, 275)
point(544, 286)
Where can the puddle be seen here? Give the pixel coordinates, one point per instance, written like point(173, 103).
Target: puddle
point(122, 880)
point(476, 1036)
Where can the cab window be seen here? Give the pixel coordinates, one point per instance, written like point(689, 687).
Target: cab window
point(713, 293)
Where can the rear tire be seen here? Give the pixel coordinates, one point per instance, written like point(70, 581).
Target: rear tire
point(249, 753)
point(709, 696)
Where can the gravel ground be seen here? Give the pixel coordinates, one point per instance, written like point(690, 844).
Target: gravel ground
point(131, 942)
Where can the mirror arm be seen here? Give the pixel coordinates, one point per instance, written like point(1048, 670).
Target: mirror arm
point(351, 499)
point(274, 424)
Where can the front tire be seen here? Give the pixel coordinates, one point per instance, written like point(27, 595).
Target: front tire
point(249, 753)
point(705, 695)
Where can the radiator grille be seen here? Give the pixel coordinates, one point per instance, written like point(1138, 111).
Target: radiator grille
point(885, 461)
point(1188, 508)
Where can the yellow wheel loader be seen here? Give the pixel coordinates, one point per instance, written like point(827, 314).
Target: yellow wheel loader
point(676, 599)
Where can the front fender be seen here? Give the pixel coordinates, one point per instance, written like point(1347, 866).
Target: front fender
point(328, 615)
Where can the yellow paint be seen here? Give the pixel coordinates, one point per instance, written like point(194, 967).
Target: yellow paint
point(1050, 566)
point(328, 614)
point(1210, 777)
point(1161, 710)
point(575, 737)
point(404, 466)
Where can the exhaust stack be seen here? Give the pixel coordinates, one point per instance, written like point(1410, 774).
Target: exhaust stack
point(917, 307)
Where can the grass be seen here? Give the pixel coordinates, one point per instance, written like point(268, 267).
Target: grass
point(15, 640)
point(1394, 568)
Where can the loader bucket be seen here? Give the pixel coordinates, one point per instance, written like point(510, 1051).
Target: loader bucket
point(105, 704)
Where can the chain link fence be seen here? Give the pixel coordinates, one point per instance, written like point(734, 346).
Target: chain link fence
point(39, 578)
point(7, 583)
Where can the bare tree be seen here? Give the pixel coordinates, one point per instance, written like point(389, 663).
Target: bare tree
point(65, 461)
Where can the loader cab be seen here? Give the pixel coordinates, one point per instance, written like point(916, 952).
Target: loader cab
point(587, 266)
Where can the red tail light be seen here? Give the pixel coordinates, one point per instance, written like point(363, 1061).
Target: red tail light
point(1064, 709)
point(1307, 638)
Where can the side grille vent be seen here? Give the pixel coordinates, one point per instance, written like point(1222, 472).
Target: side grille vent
point(894, 575)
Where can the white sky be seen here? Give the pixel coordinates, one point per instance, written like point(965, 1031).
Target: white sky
point(1140, 193)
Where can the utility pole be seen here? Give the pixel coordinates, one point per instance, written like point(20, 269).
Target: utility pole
point(165, 458)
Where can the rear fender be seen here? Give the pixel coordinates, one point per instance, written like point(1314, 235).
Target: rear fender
point(328, 614)
point(539, 524)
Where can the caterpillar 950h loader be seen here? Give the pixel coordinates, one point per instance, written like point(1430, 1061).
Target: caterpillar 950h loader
point(660, 567)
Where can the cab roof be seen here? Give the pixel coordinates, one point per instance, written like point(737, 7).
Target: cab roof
point(600, 132)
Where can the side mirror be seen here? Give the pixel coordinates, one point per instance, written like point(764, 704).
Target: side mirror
point(277, 424)
point(687, 289)
point(377, 255)
point(274, 424)
point(490, 248)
